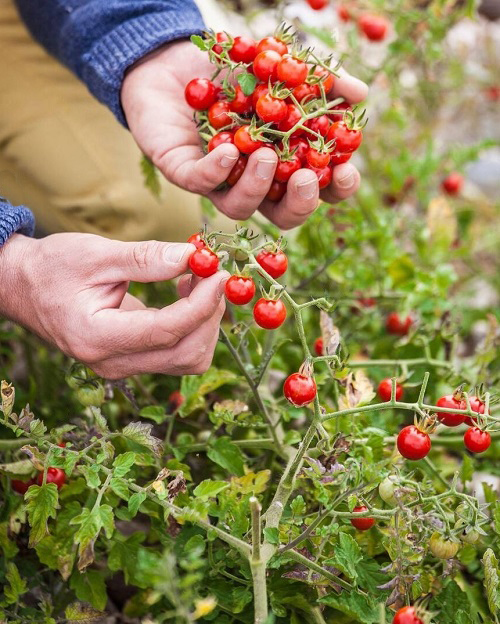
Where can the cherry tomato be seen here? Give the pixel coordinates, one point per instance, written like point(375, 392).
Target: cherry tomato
point(320, 124)
point(449, 419)
point(324, 175)
point(197, 240)
point(337, 158)
point(441, 547)
point(412, 443)
point(286, 168)
point(299, 389)
point(305, 92)
point(90, 394)
point(476, 440)
point(318, 346)
point(386, 490)
point(241, 103)
point(219, 139)
point(292, 117)
point(54, 475)
point(316, 159)
point(21, 487)
point(492, 93)
point(276, 191)
point(406, 615)
point(175, 400)
point(272, 43)
point(346, 140)
point(221, 38)
point(269, 314)
point(301, 147)
point(260, 89)
point(385, 387)
point(244, 141)
point(292, 71)
point(317, 5)
point(200, 93)
point(343, 13)
point(374, 27)
point(396, 325)
point(273, 262)
point(476, 405)
point(204, 262)
point(327, 78)
point(271, 109)
point(240, 290)
point(244, 49)
point(265, 66)
point(362, 524)
point(218, 115)
point(452, 184)
point(237, 171)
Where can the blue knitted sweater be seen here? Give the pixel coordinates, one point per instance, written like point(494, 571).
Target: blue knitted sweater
point(98, 40)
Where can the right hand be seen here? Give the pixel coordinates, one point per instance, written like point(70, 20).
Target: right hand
point(71, 290)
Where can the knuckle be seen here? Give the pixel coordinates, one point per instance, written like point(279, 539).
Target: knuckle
point(86, 354)
point(145, 254)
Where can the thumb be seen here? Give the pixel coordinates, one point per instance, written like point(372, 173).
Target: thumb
point(146, 261)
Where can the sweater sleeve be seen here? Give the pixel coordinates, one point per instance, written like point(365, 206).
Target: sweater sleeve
point(14, 219)
point(99, 39)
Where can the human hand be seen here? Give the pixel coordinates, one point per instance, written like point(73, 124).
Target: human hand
point(161, 122)
point(71, 290)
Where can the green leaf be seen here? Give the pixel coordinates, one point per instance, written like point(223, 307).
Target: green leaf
point(298, 505)
point(451, 600)
point(272, 535)
point(491, 581)
point(150, 176)
point(76, 612)
point(107, 520)
point(140, 433)
point(346, 556)
point(362, 608)
point(19, 468)
point(135, 501)
point(467, 469)
point(247, 82)
point(123, 463)
point(200, 42)
point(155, 413)
point(42, 502)
point(89, 587)
point(120, 488)
point(123, 555)
point(209, 489)
point(91, 474)
point(496, 518)
point(16, 587)
point(7, 546)
point(227, 455)
point(194, 388)
point(91, 523)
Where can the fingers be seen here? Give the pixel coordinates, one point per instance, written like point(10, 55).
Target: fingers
point(249, 192)
point(299, 202)
point(131, 303)
point(121, 331)
point(345, 182)
point(349, 87)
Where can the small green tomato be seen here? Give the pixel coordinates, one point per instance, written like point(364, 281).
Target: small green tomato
point(441, 547)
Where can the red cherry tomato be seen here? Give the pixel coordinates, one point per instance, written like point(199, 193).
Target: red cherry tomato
point(327, 78)
point(200, 93)
point(221, 38)
point(320, 124)
point(21, 487)
point(271, 109)
point(269, 314)
point(260, 89)
point(175, 400)
point(305, 92)
point(299, 389)
point(406, 615)
point(343, 13)
point(276, 191)
point(237, 171)
point(318, 346)
point(54, 475)
point(317, 5)
point(291, 71)
point(316, 159)
point(476, 405)
point(374, 27)
point(293, 116)
point(244, 141)
point(241, 103)
point(265, 66)
point(385, 387)
point(301, 147)
point(204, 262)
point(273, 262)
point(412, 443)
point(272, 43)
point(219, 139)
point(346, 140)
point(286, 168)
point(477, 441)
point(449, 419)
point(396, 325)
point(452, 184)
point(218, 115)
point(337, 158)
point(197, 241)
point(362, 524)
point(244, 49)
point(240, 290)
point(324, 175)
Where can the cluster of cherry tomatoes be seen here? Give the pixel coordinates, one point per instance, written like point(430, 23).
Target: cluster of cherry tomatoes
point(274, 95)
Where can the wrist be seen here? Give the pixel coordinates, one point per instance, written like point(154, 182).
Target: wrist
point(14, 256)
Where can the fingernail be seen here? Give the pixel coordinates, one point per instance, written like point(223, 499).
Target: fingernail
point(176, 252)
point(265, 168)
point(307, 189)
point(347, 180)
point(221, 287)
point(228, 161)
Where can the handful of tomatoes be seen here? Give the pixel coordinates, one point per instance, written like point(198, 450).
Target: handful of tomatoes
point(273, 94)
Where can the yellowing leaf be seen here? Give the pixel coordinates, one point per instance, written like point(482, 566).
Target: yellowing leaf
point(358, 390)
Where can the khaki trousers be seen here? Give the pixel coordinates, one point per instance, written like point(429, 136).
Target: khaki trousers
point(65, 156)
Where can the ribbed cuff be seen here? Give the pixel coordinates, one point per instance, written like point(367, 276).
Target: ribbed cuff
point(15, 219)
point(108, 59)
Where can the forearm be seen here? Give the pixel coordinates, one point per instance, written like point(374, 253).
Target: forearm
point(100, 39)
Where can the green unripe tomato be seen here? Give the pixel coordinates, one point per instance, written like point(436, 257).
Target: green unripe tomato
point(75, 376)
point(241, 254)
point(386, 490)
point(441, 547)
point(91, 394)
point(469, 538)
